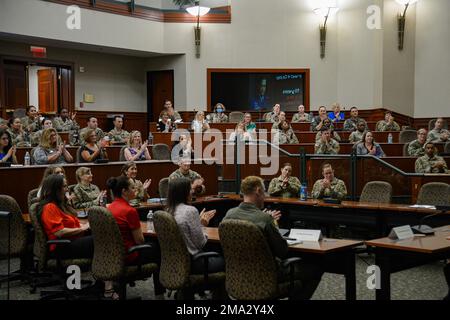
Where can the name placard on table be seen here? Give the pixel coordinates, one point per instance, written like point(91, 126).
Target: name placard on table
point(305, 235)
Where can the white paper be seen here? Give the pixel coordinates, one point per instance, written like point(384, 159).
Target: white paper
point(305, 234)
point(403, 232)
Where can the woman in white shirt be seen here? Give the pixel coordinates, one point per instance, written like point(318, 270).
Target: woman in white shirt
point(199, 124)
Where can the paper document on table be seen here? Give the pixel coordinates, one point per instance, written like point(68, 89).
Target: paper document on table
point(421, 206)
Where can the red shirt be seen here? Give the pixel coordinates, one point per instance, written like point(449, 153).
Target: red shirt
point(127, 219)
point(54, 219)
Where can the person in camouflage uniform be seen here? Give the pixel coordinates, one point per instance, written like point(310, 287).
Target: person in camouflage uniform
point(351, 124)
point(329, 186)
point(31, 122)
point(327, 124)
point(301, 116)
point(356, 136)
point(184, 171)
point(281, 118)
point(273, 116)
point(174, 116)
point(318, 121)
point(218, 116)
point(438, 134)
point(416, 148)
point(129, 170)
point(92, 124)
point(285, 134)
point(66, 123)
point(3, 124)
point(326, 145)
point(388, 124)
point(19, 137)
point(86, 194)
point(285, 186)
point(430, 162)
point(118, 135)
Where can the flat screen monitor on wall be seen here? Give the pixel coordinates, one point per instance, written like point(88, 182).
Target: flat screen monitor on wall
point(258, 90)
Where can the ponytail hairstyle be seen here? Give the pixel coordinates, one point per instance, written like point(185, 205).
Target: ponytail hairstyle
point(117, 184)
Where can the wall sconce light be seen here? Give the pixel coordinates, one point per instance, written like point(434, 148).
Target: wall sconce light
point(198, 12)
point(324, 12)
point(401, 18)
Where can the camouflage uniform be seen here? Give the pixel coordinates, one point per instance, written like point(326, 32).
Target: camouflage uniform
point(335, 136)
point(141, 193)
point(435, 135)
point(271, 117)
point(34, 124)
point(315, 122)
point(217, 118)
point(176, 116)
point(355, 136)
point(386, 126)
point(288, 137)
point(351, 124)
point(332, 147)
point(426, 164)
point(119, 136)
point(299, 118)
point(99, 132)
point(35, 138)
point(416, 149)
point(65, 126)
point(3, 123)
point(191, 175)
point(337, 189)
point(291, 190)
point(20, 139)
point(85, 196)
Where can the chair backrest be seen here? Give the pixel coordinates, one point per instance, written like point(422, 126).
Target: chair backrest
point(236, 116)
point(251, 272)
point(433, 121)
point(122, 153)
point(447, 147)
point(32, 197)
point(175, 258)
point(163, 187)
point(407, 136)
point(109, 250)
point(405, 149)
point(19, 113)
point(40, 249)
point(78, 155)
point(434, 193)
point(32, 159)
point(16, 243)
point(161, 151)
point(377, 191)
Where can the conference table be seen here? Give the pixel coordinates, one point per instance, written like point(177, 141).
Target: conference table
point(397, 255)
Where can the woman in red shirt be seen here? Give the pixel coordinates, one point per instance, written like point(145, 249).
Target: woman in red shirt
point(127, 219)
point(60, 221)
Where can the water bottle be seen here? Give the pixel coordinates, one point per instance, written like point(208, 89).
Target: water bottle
point(150, 138)
point(27, 159)
point(303, 192)
point(150, 226)
point(390, 138)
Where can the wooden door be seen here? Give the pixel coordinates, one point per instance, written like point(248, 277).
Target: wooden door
point(15, 85)
point(159, 89)
point(47, 90)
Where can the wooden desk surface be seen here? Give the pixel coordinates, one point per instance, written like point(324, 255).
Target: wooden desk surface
point(321, 247)
point(430, 244)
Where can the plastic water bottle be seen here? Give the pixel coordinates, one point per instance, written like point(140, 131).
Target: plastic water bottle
point(303, 192)
point(150, 138)
point(390, 138)
point(150, 226)
point(27, 159)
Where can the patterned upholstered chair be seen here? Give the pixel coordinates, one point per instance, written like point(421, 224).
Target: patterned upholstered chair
point(52, 264)
point(447, 147)
point(160, 151)
point(122, 154)
point(376, 191)
point(251, 270)
point(407, 136)
point(16, 245)
point(32, 197)
point(108, 263)
point(236, 116)
point(434, 193)
point(405, 150)
point(175, 273)
point(163, 187)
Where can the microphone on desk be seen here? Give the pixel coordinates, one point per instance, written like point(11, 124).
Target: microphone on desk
point(423, 228)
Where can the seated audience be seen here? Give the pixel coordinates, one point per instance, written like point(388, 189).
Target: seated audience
point(336, 115)
point(285, 134)
point(301, 115)
point(7, 149)
point(182, 148)
point(431, 162)
point(326, 144)
point(199, 124)
point(50, 151)
point(281, 118)
point(66, 121)
point(438, 134)
point(190, 222)
point(251, 210)
point(136, 150)
point(19, 137)
point(60, 220)
point(318, 121)
point(35, 137)
point(356, 136)
point(239, 132)
point(416, 148)
point(86, 194)
point(368, 146)
point(91, 151)
point(329, 186)
point(285, 186)
point(130, 171)
point(218, 116)
point(184, 171)
point(351, 124)
point(31, 122)
point(328, 125)
point(118, 135)
point(249, 125)
point(173, 115)
point(273, 116)
point(165, 124)
point(92, 124)
point(388, 124)
point(52, 170)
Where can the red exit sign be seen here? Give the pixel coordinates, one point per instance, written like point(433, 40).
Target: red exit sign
point(38, 52)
